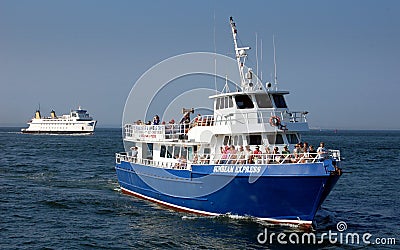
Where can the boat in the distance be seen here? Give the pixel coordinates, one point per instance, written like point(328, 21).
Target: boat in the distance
point(244, 160)
point(78, 121)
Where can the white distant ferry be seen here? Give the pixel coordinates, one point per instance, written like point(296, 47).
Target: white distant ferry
point(77, 122)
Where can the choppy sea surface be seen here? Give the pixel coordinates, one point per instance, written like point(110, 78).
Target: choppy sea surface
point(61, 192)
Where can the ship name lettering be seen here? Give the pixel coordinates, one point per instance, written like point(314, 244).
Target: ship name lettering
point(223, 169)
point(248, 169)
point(237, 169)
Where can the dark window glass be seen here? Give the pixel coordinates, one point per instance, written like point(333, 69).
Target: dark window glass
point(227, 140)
point(279, 101)
point(244, 102)
point(263, 101)
point(254, 139)
point(163, 150)
point(292, 138)
point(230, 105)
point(221, 103)
point(218, 103)
point(170, 151)
point(149, 151)
point(275, 139)
point(177, 151)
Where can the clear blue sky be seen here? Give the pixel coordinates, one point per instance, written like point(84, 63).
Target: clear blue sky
point(339, 59)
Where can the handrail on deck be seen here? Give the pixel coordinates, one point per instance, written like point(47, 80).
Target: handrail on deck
point(207, 159)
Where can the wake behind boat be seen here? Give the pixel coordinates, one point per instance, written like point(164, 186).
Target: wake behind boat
point(246, 159)
point(77, 122)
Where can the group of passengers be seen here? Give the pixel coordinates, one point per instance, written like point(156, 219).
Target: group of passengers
point(185, 121)
point(302, 153)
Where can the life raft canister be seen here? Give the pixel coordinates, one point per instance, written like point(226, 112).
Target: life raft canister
point(274, 121)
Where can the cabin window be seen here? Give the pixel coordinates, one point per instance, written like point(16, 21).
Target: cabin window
point(254, 140)
point(279, 101)
point(170, 151)
point(226, 102)
point(292, 138)
point(207, 151)
point(177, 151)
point(244, 102)
point(184, 152)
point(230, 102)
point(237, 140)
point(190, 153)
point(163, 151)
point(275, 139)
point(221, 103)
point(227, 140)
point(218, 103)
point(149, 151)
point(263, 101)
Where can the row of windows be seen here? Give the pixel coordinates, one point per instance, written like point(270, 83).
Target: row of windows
point(56, 124)
point(246, 102)
point(256, 139)
point(176, 152)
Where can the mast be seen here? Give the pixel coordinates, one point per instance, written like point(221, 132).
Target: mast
point(275, 75)
point(241, 58)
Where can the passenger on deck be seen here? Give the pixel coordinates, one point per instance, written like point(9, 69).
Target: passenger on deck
point(312, 152)
point(306, 154)
point(195, 157)
point(134, 153)
point(257, 154)
point(296, 153)
point(276, 156)
point(183, 162)
point(185, 122)
point(232, 154)
point(241, 156)
point(286, 153)
point(248, 155)
point(322, 152)
point(198, 120)
point(224, 156)
point(267, 155)
point(156, 120)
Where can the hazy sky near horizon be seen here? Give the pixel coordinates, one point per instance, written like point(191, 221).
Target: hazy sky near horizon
point(340, 60)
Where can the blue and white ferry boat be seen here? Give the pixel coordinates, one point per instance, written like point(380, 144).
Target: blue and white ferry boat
point(219, 164)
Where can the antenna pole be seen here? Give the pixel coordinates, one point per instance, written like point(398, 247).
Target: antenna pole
point(215, 59)
point(261, 55)
point(257, 54)
point(275, 76)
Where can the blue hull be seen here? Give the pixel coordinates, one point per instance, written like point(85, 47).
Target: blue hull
point(287, 193)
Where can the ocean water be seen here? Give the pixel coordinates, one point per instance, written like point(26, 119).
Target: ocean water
point(61, 192)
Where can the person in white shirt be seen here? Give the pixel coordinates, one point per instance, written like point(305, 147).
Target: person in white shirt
point(322, 152)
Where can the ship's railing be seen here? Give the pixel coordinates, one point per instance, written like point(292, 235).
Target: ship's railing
point(176, 164)
point(179, 131)
point(229, 159)
point(261, 117)
point(156, 132)
point(204, 120)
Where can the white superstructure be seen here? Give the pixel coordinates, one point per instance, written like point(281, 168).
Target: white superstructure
point(78, 121)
